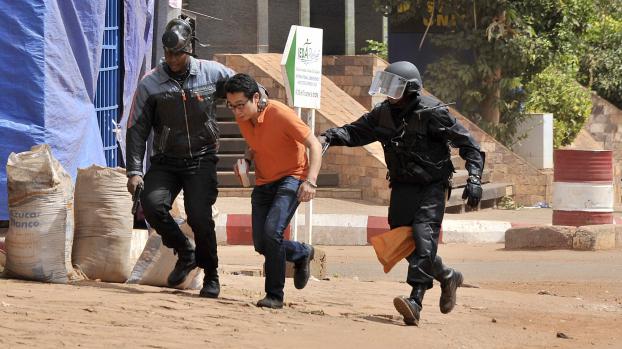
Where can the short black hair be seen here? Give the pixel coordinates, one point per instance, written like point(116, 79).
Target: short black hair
point(242, 83)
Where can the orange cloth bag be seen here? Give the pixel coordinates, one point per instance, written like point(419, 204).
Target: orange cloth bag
point(393, 246)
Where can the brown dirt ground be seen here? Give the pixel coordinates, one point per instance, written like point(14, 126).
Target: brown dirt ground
point(519, 304)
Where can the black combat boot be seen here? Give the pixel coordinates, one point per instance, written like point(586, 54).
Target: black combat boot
point(186, 262)
point(302, 269)
point(450, 280)
point(270, 302)
point(410, 307)
point(211, 285)
point(449, 284)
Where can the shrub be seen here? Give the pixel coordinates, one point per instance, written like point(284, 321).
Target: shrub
point(553, 91)
point(376, 47)
point(600, 66)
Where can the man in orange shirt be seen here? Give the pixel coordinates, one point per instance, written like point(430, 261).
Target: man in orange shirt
point(284, 177)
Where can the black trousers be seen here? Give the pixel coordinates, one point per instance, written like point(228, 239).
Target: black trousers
point(421, 206)
point(197, 177)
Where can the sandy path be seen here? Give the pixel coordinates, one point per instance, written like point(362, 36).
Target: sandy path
point(342, 312)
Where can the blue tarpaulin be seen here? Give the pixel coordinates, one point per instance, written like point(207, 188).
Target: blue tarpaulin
point(138, 33)
point(50, 58)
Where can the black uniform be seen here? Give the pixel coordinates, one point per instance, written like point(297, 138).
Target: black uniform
point(416, 137)
point(180, 111)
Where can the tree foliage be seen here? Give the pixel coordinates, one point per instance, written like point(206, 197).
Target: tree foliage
point(496, 48)
point(600, 61)
point(378, 48)
point(557, 92)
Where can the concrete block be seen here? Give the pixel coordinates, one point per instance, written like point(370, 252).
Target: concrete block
point(595, 237)
point(553, 237)
point(474, 231)
point(318, 265)
point(618, 235)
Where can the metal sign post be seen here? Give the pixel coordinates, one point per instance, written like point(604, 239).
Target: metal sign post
point(301, 67)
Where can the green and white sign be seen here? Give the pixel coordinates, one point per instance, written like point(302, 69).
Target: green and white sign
point(302, 67)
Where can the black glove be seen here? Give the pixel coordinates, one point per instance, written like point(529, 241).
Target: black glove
point(325, 137)
point(472, 191)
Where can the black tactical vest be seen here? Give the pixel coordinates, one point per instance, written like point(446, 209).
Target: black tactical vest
point(416, 151)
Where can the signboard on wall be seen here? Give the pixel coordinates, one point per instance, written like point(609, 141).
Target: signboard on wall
point(301, 67)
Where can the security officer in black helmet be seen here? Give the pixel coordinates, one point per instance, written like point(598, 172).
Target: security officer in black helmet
point(415, 132)
point(176, 101)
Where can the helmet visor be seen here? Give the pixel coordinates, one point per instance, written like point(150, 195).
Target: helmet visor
point(388, 84)
point(174, 41)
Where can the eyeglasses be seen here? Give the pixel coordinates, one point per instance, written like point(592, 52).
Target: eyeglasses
point(237, 106)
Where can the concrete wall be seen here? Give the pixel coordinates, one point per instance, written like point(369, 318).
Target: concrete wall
point(330, 16)
point(282, 15)
point(257, 26)
point(354, 74)
point(604, 127)
point(537, 146)
point(240, 31)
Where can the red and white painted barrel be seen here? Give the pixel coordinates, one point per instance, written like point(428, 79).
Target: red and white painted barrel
point(583, 191)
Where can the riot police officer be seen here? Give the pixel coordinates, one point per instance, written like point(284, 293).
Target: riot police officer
point(415, 132)
point(176, 100)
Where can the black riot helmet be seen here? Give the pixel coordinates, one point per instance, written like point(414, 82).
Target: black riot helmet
point(397, 78)
point(177, 36)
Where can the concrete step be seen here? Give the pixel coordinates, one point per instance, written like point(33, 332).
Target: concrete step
point(230, 180)
point(491, 193)
point(458, 162)
point(224, 114)
point(226, 161)
point(327, 192)
point(232, 145)
point(229, 129)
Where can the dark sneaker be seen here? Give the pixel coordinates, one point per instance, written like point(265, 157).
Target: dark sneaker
point(448, 291)
point(409, 309)
point(269, 302)
point(211, 287)
point(302, 270)
point(185, 264)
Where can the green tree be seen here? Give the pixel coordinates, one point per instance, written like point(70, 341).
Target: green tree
point(497, 46)
point(376, 47)
point(555, 91)
point(600, 60)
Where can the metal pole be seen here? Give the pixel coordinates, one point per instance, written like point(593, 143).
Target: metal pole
point(349, 22)
point(294, 221)
point(262, 26)
point(385, 29)
point(309, 206)
point(305, 13)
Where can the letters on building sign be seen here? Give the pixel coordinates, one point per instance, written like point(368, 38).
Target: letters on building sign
point(439, 20)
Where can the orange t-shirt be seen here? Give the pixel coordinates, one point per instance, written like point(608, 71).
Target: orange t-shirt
point(278, 143)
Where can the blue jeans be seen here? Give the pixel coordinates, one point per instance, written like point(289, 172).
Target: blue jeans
point(274, 205)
